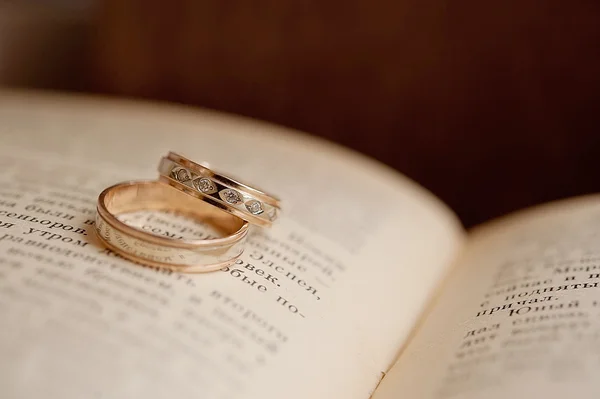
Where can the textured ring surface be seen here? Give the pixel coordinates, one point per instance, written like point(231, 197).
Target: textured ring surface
point(239, 199)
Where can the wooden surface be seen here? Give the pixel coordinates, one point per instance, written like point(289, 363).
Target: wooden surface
point(491, 105)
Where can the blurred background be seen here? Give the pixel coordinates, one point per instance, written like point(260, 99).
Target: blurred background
point(493, 106)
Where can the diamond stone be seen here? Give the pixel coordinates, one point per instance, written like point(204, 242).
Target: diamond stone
point(180, 174)
point(205, 185)
point(231, 196)
point(255, 207)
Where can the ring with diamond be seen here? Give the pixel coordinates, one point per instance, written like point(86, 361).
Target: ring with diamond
point(185, 255)
point(239, 199)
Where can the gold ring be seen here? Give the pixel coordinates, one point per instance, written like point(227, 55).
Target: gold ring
point(186, 255)
point(199, 181)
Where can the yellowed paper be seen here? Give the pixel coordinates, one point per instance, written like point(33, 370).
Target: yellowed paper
point(317, 306)
point(518, 318)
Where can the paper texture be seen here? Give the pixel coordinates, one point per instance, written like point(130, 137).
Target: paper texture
point(344, 273)
point(518, 318)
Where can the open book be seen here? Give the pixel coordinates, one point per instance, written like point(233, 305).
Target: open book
point(367, 285)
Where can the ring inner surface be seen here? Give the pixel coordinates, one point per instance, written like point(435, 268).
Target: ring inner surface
point(156, 196)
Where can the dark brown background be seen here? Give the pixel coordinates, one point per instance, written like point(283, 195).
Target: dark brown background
point(491, 105)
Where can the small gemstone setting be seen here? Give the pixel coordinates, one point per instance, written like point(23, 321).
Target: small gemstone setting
point(254, 207)
point(181, 174)
point(205, 185)
point(230, 196)
point(272, 214)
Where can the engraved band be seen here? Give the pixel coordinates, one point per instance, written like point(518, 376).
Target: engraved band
point(185, 255)
point(237, 198)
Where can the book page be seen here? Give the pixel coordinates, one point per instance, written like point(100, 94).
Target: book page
point(519, 317)
point(305, 312)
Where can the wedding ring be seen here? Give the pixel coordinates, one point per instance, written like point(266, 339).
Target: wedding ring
point(239, 199)
point(186, 255)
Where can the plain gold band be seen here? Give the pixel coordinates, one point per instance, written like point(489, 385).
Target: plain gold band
point(186, 255)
